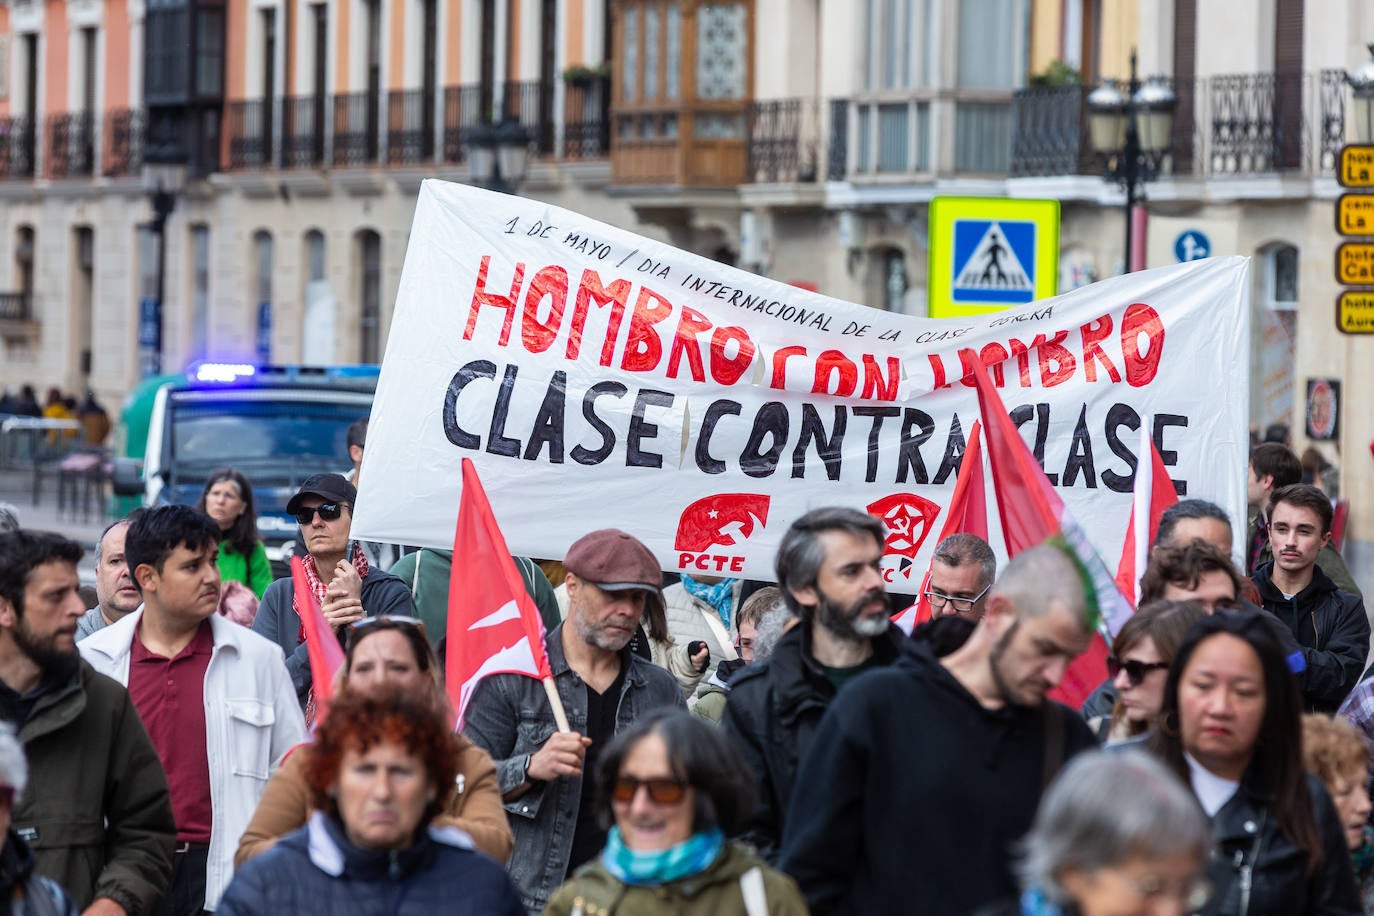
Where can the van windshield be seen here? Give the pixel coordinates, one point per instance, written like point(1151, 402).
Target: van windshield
point(263, 434)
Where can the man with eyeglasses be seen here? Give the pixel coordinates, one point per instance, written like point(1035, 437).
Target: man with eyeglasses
point(337, 571)
point(829, 567)
point(214, 697)
point(961, 573)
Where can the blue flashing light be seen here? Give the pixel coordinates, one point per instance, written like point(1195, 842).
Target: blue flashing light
point(222, 372)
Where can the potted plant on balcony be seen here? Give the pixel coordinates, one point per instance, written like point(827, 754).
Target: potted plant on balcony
point(583, 77)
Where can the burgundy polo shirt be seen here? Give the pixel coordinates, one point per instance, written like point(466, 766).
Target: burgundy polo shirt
point(169, 694)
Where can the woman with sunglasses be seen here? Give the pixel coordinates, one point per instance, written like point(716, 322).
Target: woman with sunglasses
point(1230, 727)
point(1139, 663)
point(228, 499)
point(388, 653)
point(674, 786)
point(377, 773)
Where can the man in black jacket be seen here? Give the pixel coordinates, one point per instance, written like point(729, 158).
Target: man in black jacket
point(829, 568)
point(924, 774)
point(1328, 623)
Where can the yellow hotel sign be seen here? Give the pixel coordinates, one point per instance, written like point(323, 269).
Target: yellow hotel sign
point(1355, 264)
point(1356, 166)
point(1355, 312)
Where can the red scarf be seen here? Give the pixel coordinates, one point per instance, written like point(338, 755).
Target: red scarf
point(318, 589)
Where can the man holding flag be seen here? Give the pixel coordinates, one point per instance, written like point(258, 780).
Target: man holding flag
point(603, 687)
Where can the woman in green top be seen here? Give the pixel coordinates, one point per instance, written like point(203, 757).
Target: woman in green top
point(228, 499)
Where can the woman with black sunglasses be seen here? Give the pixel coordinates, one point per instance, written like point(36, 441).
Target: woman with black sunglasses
point(674, 786)
point(1230, 727)
point(1139, 662)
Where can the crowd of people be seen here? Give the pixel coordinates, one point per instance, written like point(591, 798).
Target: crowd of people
point(731, 747)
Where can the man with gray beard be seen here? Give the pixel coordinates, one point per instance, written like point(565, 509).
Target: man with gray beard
point(613, 582)
point(829, 569)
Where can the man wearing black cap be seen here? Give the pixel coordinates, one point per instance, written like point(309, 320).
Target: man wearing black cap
point(347, 586)
point(612, 578)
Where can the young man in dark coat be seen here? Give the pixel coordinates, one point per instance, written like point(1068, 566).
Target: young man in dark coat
point(924, 774)
point(829, 568)
point(1329, 624)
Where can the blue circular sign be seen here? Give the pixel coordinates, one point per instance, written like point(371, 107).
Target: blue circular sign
point(1192, 246)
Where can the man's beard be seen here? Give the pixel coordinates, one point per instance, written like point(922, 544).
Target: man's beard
point(1010, 696)
point(845, 623)
point(56, 664)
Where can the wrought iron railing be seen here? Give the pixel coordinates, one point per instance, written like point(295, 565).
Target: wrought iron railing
point(71, 145)
point(357, 128)
point(783, 141)
point(586, 119)
point(410, 126)
point(18, 140)
point(16, 306)
point(1230, 124)
point(837, 166)
point(462, 111)
point(123, 131)
point(250, 133)
point(302, 131)
point(530, 102)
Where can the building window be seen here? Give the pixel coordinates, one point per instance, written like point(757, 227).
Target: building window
point(894, 39)
point(1274, 341)
point(314, 255)
point(23, 260)
point(262, 251)
point(990, 47)
point(319, 320)
point(370, 295)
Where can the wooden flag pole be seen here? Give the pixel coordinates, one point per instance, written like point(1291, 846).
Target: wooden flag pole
point(559, 714)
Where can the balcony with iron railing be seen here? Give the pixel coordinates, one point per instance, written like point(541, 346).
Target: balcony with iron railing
point(16, 306)
point(18, 143)
point(70, 145)
point(1224, 126)
point(122, 130)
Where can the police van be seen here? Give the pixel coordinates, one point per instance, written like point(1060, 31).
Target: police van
point(275, 424)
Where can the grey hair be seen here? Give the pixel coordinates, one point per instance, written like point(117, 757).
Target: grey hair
point(1106, 807)
point(14, 766)
point(962, 549)
point(100, 541)
point(1039, 578)
point(1188, 508)
point(801, 552)
point(9, 517)
point(769, 630)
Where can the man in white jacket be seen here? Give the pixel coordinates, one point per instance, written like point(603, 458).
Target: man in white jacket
point(215, 697)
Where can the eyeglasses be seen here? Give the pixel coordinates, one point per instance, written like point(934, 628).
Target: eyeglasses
point(328, 511)
point(1136, 670)
point(361, 625)
point(663, 791)
point(1194, 894)
point(961, 605)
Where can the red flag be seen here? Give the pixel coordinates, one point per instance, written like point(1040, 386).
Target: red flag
point(493, 625)
point(967, 514)
point(1154, 492)
point(1032, 513)
point(326, 655)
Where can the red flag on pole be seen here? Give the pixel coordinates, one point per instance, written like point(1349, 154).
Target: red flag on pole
point(1032, 513)
point(326, 655)
point(1154, 492)
point(967, 514)
point(493, 625)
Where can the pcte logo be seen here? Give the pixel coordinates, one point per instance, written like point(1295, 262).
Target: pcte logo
point(715, 522)
point(908, 519)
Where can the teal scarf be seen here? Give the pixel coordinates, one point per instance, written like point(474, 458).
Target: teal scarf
point(720, 596)
point(664, 866)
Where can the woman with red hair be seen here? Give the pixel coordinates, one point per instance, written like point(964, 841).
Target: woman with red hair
point(378, 771)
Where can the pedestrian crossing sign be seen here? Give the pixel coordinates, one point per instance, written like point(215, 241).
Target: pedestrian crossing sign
point(991, 253)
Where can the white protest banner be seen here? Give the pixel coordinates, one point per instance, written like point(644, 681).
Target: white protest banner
point(600, 379)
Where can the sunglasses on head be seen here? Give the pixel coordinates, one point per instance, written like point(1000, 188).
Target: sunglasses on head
point(1136, 670)
point(328, 511)
point(664, 791)
point(359, 625)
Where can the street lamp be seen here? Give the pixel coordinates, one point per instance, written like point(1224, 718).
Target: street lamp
point(1362, 88)
point(498, 155)
point(162, 182)
point(1132, 129)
